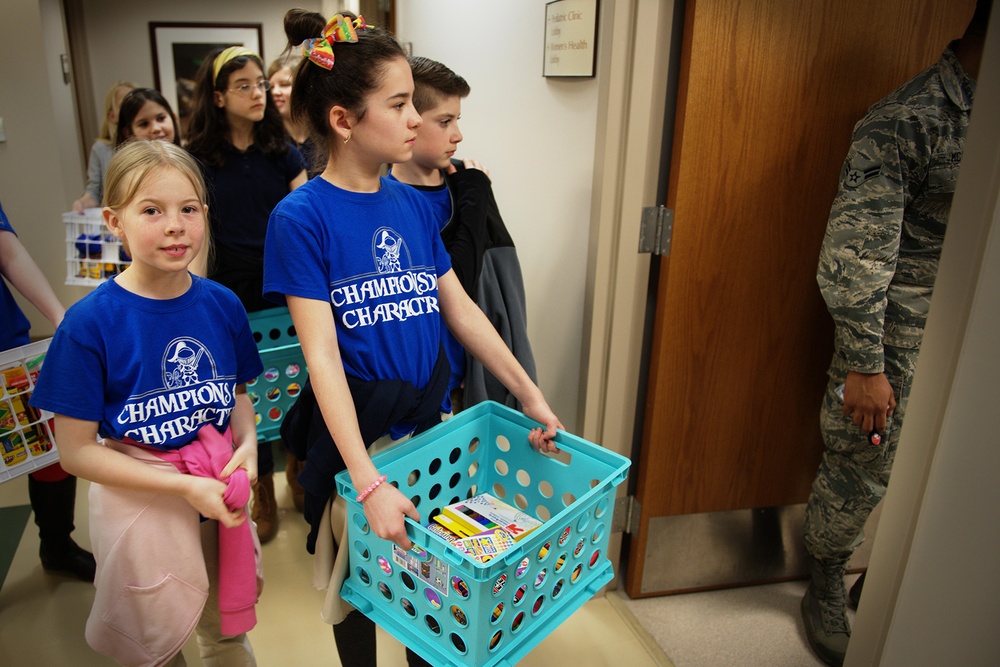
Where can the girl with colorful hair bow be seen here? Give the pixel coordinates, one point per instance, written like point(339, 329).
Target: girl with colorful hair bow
point(326, 242)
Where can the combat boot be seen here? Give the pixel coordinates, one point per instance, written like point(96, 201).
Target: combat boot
point(823, 612)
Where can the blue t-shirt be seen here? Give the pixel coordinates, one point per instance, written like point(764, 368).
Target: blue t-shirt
point(439, 198)
point(376, 258)
point(151, 370)
point(14, 325)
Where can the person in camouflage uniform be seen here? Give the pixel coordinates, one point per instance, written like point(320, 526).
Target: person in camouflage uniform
point(876, 272)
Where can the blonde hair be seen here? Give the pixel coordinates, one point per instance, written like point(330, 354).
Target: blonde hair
point(109, 129)
point(288, 60)
point(134, 161)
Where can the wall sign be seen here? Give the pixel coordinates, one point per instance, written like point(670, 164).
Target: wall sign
point(570, 38)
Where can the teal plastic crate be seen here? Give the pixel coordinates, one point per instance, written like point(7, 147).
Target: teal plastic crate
point(446, 606)
point(274, 391)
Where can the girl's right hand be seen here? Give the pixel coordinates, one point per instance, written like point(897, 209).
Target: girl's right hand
point(205, 495)
point(385, 509)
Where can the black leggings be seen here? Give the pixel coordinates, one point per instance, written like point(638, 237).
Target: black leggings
point(355, 637)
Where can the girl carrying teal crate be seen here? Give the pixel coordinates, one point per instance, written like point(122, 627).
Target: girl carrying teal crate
point(360, 263)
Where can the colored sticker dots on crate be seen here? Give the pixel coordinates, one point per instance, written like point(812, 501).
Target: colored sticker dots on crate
point(279, 349)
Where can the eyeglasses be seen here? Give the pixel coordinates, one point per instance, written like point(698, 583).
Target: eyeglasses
point(246, 89)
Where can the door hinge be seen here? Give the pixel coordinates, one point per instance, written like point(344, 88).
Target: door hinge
point(655, 229)
point(626, 516)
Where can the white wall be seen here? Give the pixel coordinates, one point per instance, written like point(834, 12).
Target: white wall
point(41, 153)
point(118, 33)
point(537, 138)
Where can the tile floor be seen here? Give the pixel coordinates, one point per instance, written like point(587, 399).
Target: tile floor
point(42, 616)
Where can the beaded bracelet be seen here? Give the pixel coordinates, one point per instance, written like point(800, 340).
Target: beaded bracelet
point(371, 487)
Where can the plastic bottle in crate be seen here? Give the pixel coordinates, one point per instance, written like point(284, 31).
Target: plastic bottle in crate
point(89, 250)
point(88, 247)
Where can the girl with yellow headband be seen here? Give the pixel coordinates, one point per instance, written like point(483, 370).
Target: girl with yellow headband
point(249, 165)
point(360, 262)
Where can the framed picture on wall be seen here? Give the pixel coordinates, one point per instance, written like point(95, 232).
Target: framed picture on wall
point(179, 50)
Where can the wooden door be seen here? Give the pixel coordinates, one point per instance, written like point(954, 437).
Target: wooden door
point(768, 93)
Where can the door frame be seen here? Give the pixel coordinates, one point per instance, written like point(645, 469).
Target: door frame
point(635, 121)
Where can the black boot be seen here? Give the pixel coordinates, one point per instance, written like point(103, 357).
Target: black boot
point(54, 504)
point(823, 613)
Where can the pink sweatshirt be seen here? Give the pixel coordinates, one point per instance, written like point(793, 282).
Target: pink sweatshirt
point(206, 456)
point(151, 579)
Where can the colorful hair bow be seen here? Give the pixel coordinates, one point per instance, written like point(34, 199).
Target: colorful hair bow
point(338, 29)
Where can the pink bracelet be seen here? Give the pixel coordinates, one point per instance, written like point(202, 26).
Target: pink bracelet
point(371, 487)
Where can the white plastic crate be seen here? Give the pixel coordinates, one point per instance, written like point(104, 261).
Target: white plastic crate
point(26, 439)
point(92, 254)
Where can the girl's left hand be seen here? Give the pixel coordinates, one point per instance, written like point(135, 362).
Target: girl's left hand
point(244, 456)
point(542, 439)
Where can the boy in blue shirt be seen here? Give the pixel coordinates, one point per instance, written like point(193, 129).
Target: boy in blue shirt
point(481, 249)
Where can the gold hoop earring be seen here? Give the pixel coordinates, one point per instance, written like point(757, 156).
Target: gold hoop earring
point(347, 139)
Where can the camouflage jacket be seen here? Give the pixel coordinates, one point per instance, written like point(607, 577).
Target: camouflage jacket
point(883, 239)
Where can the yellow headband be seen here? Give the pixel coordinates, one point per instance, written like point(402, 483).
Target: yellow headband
point(226, 56)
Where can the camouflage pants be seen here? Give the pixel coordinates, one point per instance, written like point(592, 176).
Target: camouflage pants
point(853, 474)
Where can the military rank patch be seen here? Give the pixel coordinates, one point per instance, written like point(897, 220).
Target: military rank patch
point(855, 176)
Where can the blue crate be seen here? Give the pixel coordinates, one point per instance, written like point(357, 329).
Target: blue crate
point(446, 606)
point(274, 391)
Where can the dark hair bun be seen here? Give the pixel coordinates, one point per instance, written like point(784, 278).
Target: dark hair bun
point(302, 24)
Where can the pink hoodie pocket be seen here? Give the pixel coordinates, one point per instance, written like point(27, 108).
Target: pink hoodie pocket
point(148, 615)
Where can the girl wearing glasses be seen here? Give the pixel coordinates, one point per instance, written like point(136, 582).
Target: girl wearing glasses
point(249, 165)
